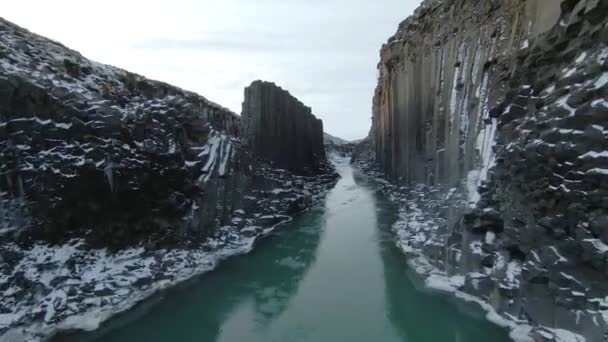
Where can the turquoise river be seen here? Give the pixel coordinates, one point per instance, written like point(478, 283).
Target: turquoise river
point(332, 274)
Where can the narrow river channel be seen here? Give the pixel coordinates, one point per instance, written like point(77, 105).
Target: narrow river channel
point(333, 274)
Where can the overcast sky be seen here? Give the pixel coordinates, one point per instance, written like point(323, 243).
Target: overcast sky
point(323, 51)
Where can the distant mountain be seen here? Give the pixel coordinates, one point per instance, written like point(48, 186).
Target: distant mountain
point(330, 139)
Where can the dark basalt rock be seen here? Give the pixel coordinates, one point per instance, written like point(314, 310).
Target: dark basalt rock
point(113, 185)
point(92, 151)
point(279, 128)
point(502, 108)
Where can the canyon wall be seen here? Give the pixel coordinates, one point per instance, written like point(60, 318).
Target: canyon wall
point(440, 75)
point(90, 150)
point(280, 128)
point(114, 186)
point(492, 116)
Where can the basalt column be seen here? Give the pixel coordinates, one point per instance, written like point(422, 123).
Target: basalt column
point(281, 129)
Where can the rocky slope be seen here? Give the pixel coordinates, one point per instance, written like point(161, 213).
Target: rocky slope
point(337, 146)
point(113, 186)
point(330, 139)
point(490, 120)
point(295, 138)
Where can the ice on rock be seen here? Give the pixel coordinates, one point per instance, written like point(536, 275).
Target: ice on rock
point(562, 102)
point(581, 57)
point(601, 81)
point(594, 155)
point(597, 171)
point(569, 72)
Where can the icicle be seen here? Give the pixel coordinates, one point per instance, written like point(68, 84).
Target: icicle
point(109, 173)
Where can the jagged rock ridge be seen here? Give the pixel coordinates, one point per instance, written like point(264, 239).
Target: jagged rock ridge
point(493, 115)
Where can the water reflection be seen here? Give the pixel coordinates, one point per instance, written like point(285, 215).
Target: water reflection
point(418, 314)
point(333, 274)
point(260, 283)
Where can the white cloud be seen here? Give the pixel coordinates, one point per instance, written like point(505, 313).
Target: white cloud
point(323, 52)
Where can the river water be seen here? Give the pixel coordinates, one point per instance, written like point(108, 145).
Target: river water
point(332, 274)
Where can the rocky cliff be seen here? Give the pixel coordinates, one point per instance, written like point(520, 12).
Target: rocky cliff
point(113, 186)
point(490, 116)
point(92, 150)
point(281, 129)
point(439, 82)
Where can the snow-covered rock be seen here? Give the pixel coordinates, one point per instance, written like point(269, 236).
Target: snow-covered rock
point(490, 119)
point(114, 186)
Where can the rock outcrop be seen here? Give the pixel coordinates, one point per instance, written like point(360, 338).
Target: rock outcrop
point(281, 129)
point(493, 116)
point(113, 186)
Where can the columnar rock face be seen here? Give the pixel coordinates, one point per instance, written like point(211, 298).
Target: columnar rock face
point(440, 75)
point(280, 128)
point(506, 101)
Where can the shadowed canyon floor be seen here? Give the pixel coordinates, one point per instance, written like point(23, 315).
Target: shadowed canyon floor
point(333, 274)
